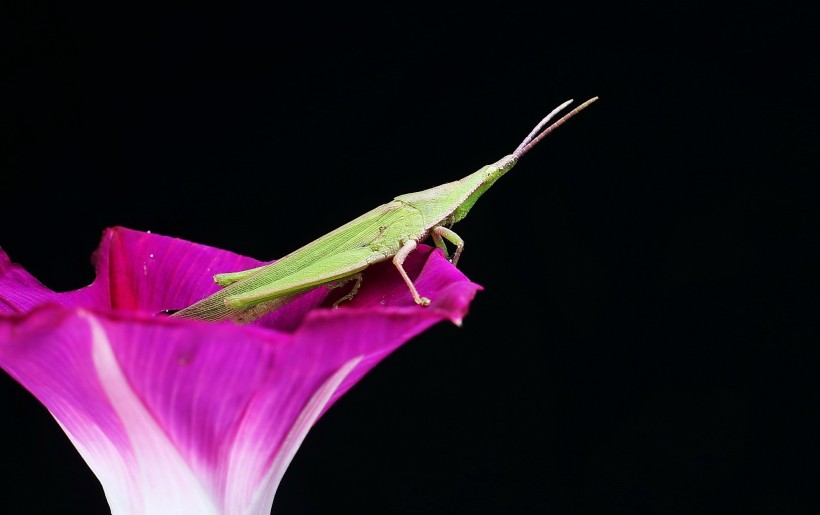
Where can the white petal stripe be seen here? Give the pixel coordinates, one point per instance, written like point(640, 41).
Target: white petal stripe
point(307, 417)
point(165, 485)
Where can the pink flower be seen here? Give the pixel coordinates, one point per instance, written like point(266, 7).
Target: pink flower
point(182, 416)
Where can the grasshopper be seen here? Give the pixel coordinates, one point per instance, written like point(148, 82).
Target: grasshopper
point(392, 230)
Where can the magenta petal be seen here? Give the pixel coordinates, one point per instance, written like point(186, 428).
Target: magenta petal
point(150, 272)
point(183, 416)
point(135, 271)
point(19, 291)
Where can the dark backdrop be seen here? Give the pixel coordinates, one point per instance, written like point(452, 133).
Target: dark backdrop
point(647, 340)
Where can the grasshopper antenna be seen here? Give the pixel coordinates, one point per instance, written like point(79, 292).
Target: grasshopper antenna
point(534, 137)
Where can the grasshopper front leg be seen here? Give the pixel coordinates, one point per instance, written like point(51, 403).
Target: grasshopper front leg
point(407, 247)
point(440, 232)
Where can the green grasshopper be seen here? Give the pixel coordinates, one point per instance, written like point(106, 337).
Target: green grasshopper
point(392, 230)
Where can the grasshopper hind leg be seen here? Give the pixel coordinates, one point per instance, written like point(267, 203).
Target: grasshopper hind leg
point(349, 295)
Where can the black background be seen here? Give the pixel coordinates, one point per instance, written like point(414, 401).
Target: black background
point(647, 340)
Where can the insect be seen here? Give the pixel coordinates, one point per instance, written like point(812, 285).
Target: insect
point(390, 231)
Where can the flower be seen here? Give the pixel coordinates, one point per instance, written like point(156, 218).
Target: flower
point(182, 416)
